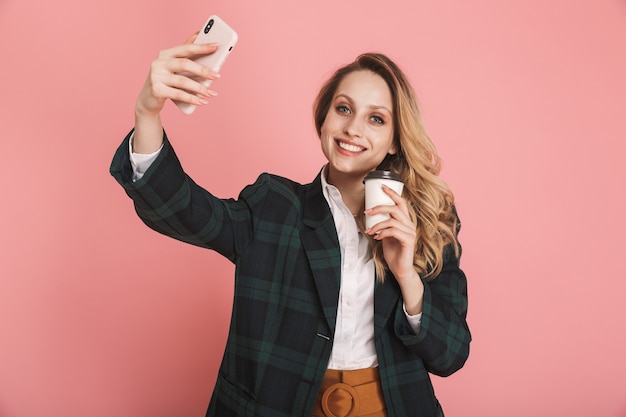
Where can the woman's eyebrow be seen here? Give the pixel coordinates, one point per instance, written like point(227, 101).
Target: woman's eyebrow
point(371, 106)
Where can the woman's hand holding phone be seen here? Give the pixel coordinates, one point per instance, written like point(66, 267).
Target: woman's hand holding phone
point(182, 74)
point(166, 79)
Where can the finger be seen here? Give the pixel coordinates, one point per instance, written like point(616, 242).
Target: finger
point(395, 197)
point(403, 236)
point(163, 67)
point(192, 38)
point(177, 94)
point(406, 226)
point(189, 67)
point(186, 84)
point(396, 212)
point(187, 50)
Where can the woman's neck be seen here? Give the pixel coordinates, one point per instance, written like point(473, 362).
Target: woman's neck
point(352, 192)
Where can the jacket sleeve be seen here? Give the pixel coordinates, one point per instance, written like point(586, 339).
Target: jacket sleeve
point(171, 203)
point(443, 339)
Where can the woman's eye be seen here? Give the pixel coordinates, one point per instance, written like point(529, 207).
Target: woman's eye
point(378, 120)
point(343, 109)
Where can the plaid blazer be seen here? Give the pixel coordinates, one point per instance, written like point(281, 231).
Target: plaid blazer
point(282, 239)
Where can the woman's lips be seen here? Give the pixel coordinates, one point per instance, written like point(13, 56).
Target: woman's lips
point(349, 147)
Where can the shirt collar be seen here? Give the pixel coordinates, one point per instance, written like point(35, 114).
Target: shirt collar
point(330, 191)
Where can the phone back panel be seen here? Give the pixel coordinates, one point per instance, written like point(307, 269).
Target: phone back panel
point(214, 30)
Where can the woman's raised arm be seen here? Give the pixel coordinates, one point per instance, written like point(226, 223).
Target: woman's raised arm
point(165, 81)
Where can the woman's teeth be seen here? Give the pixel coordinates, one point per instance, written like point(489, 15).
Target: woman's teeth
point(351, 148)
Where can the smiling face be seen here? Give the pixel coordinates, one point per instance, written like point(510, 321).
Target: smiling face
point(357, 132)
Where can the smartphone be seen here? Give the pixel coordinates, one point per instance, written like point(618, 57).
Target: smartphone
point(215, 30)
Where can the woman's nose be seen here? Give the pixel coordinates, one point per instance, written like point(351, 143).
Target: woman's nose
point(354, 127)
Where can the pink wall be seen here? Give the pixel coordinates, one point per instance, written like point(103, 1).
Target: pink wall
point(100, 316)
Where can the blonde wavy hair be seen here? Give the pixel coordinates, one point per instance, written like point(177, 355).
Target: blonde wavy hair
point(430, 200)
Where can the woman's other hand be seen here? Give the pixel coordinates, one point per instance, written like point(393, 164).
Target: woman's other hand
point(399, 236)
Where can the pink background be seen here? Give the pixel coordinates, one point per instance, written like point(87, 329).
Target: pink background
point(100, 316)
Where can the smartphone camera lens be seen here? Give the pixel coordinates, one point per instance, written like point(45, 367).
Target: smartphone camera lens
point(208, 26)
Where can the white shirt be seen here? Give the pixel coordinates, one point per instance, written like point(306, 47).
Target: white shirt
point(353, 345)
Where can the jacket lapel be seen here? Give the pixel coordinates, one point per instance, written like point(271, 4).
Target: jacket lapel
point(321, 244)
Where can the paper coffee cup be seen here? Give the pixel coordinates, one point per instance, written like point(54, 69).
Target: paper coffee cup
point(375, 196)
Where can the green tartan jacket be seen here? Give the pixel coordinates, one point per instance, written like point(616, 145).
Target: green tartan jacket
point(282, 239)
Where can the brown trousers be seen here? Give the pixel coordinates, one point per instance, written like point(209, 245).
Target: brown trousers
point(350, 394)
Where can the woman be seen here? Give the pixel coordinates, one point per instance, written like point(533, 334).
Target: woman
point(329, 318)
